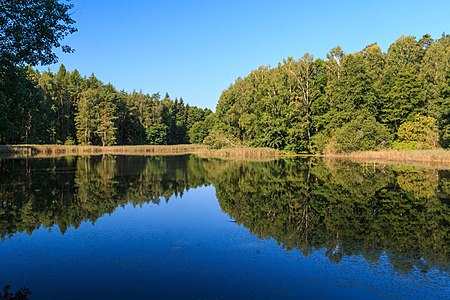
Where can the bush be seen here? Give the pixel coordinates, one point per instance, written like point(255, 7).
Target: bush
point(218, 140)
point(198, 132)
point(320, 141)
point(421, 133)
point(69, 141)
point(396, 145)
point(157, 134)
point(361, 134)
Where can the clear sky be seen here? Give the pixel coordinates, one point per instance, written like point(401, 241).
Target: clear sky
point(196, 49)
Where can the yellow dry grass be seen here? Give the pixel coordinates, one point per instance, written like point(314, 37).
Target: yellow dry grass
point(428, 158)
point(58, 150)
point(248, 153)
point(62, 150)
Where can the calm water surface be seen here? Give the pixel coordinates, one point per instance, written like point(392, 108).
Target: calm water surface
point(129, 227)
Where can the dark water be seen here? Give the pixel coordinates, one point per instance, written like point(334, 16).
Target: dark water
point(191, 228)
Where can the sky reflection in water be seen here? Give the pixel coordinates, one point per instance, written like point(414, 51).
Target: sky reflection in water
point(196, 246)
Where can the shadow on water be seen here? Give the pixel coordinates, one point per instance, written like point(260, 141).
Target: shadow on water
point(344, 208)
point(21, 294)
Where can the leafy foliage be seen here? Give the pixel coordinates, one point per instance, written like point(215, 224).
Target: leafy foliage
point(218, 140)
point(20, 101)
point(361, 134)
point(422, 132)
point(29, 30)
point(68, 108)
point(198, 132)
point(310, 105)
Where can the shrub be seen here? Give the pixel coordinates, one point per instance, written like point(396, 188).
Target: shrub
point(361, 134)
point(396, 145)
point(422, 132)
point(198, 132)
point(320, 141)
point(69, 141)
point(218, 140)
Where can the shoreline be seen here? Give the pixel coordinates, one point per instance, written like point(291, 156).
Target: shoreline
point(42, 151)
point(436, 156)
point(55, 150)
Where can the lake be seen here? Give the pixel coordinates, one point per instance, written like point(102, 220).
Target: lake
point(185, 227)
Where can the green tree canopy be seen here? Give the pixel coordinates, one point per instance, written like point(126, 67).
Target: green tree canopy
point(421, 133)
point(308, 104)
point(29, 30)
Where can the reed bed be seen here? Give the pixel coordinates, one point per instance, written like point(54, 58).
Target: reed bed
point(440, 156)
point(247, 153)
point(426, 156)
point(201, 150)
point(58, 150)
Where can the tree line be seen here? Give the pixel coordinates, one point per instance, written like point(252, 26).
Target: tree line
point(346, 102)
point(66, 108)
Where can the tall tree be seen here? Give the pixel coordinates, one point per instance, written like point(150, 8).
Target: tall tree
point(434, 69)
point(19, 100)
point(106, 120)
point(302, 76)
point(85, 118)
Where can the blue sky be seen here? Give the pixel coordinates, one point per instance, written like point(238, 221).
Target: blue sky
point(196, 49)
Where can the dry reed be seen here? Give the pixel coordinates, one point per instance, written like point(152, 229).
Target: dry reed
point(57, 150)
point(440, 156)
point(61, 150)
point(247, 153)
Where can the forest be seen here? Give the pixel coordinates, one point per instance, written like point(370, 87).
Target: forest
point(347, 102)
point(66, 108)
point(367, 100)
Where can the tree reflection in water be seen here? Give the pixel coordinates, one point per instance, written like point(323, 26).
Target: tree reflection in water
point(345, 208)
